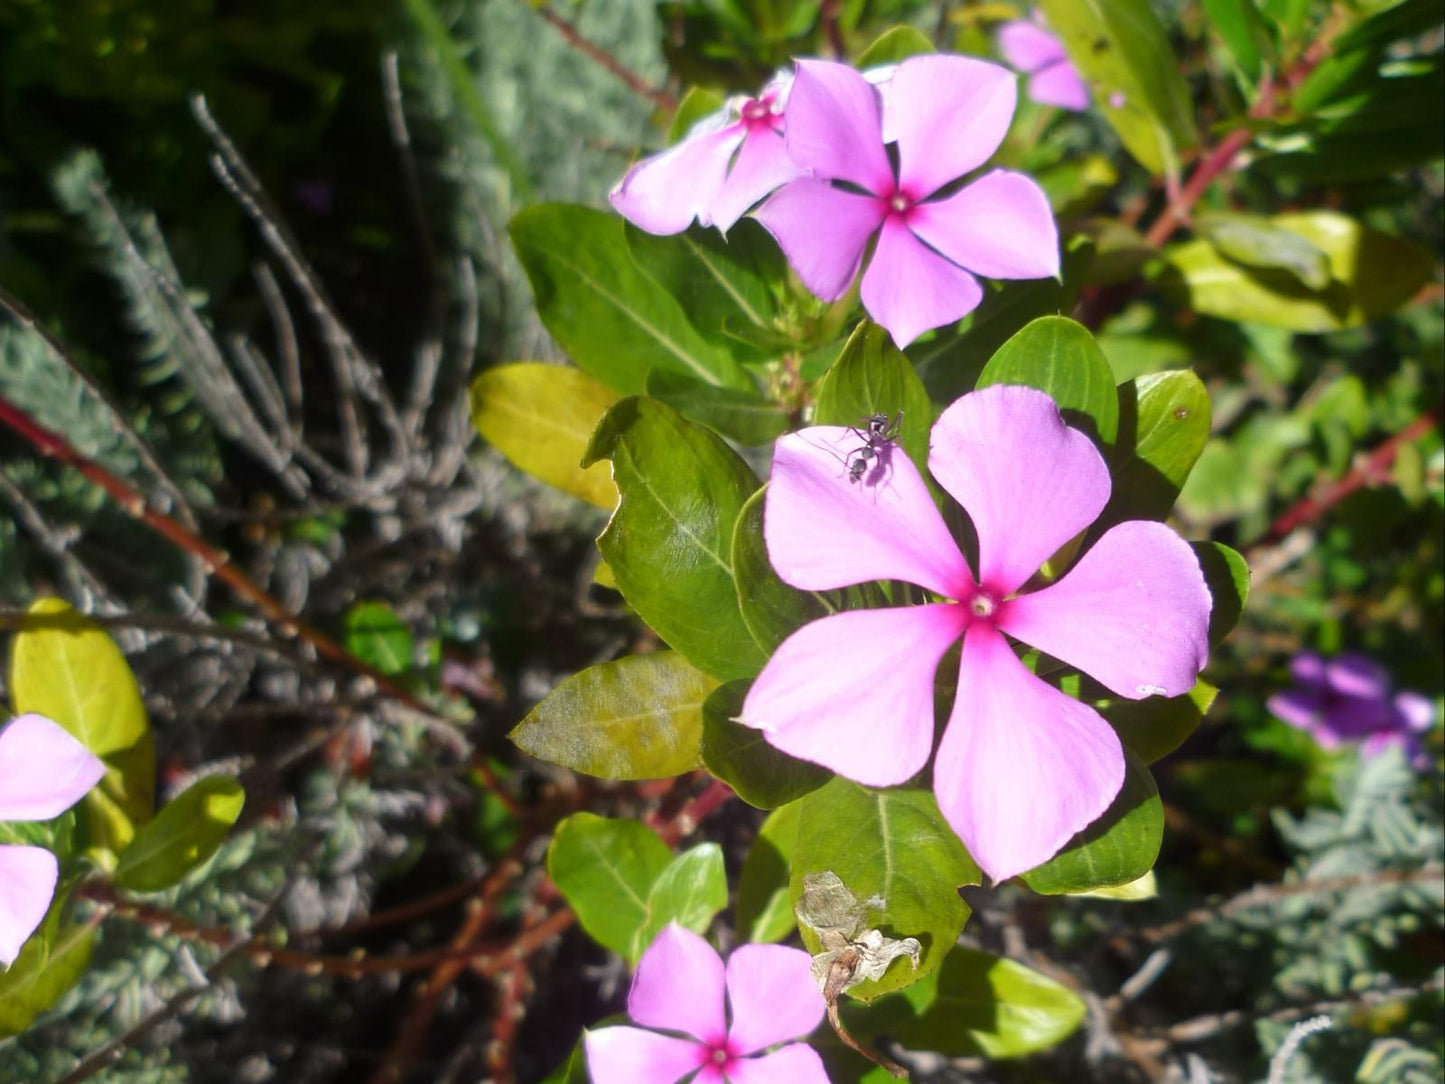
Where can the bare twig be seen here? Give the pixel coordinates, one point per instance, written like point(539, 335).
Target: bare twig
point(662, 99)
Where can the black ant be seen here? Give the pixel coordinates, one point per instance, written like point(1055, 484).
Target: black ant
point(878, 433)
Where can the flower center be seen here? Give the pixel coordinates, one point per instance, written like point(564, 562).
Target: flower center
point(983, 605)
point(756, 109)
point(899, 204)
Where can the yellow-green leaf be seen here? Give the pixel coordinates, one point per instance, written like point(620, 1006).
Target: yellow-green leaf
point(184, 834)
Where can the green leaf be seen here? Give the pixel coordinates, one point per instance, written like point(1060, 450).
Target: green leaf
point(66, 668)
point(574, 1069)
point(1058, 356)
point(765, 907)
point(1226, 573)
point(978, 1004)
point(613, 319)
point(669, 543)
point(743, 416)
point(1371, 275)
point(1243, 31)
point(725, 286)
point(771, 609)
point(892, 843)
point(606, 870)
point(690, 891)
point(1156, 726)
point(378, 637)
point(1121, 49)
point(1255, 241)
point(541, 417)
point(1164, 421)
point(639, 717)
point(739, 756)
point(872, 376)
point(50, 963)
point(894, 45)
point(185, 833)
point(1119, 847)
point(696, 104)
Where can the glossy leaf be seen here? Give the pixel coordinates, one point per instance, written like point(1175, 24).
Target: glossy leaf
point(872, 376)
point(1119, 847)
point(1122, 51)
point(51, 963)
point(892, 843)
point(638, 717)
point(1145, 888)
point(739, 756)
point(893, 46)
point(669, 543)
point(1226, 573)
point(541, 417)
point(185, 833)
point(378, 637)
point(1164, 421)
point(1243, 31)
point(697, 103)
point(1255, 241)
point(690, 891)
point(1154, 727)
point(66, 668)
point(1058, 356)
point(1371, 275)
point(979, 1004)
point(765, 906)
point(743, 416)
point(771, 609)
point(606, 870)
point(613, 319)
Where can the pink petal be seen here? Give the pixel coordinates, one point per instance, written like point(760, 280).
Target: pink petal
point(1307, 668)
point(834, 126)
point(823, 531)
point(1021, 767)
point(1355, 675)
point(1301, 710)
point(909, 289)
point(1415, 710)
point(27, 882)
point(773, 996)
point(950, 114)
point(634, 1056)
point(1028, 481)
point(1000, 226)
point(762, 165)
point(854, 691)
point(1027, 47)
point(1133, 613)
point(679, 986)
point(1059, 84)
point(43, 770)
point(796, 1064)
point(822, 231)
point(664, 193)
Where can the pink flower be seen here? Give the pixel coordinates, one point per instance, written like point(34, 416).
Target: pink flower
point(947, 115)
point(1348, 699)
point(43, 772)
point(1053, 80)
point(724, 165)
point(679, 987)
point(1022, 767)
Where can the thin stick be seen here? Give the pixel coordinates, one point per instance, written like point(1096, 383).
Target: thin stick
point(634, 82)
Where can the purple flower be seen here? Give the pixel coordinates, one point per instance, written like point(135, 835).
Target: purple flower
point(724, 165)
point(680, 986)
point(1022, 767)
point(1347, 699)
point(1052, 79)
point(947, 115)
point(43, 772)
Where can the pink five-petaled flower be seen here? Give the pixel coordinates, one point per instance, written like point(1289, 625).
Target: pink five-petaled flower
point(1022, 766)
point(947, 115)
point(1052, 79)
point(43, 772)
point(679, 987)
point(1348, 699)
point(700, 178)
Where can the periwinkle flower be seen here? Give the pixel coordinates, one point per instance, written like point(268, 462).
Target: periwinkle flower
point(947, 115)
point(1348, 699)
point(1021, 767)
point(1051, 78)
point(681, 985)
point(725, 164)
point(43, 772)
